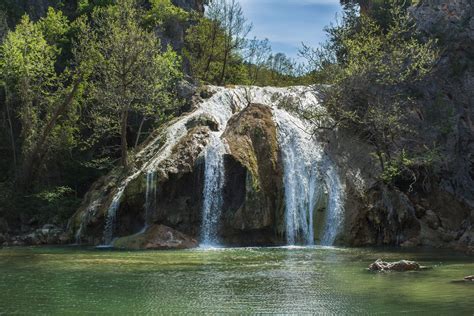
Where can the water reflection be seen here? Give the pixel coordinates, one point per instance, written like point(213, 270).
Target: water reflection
point(291, 280)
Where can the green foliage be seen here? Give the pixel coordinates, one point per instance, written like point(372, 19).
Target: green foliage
point(165, 14)
point(131, 73)
point(54, 195)
point(87, 6)
point(63, 102)
point(372, 65)
point(32, 85)
point(216, 59)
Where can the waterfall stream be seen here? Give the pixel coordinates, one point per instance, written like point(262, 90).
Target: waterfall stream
point(214, 179)
point(301, 159)
point(111, 217)
point(150, 196)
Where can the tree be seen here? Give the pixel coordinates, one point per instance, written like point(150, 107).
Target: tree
point(235, 28)
point(131, 73)
point(374, 70)
point(204, 42)
point(257, 55)
point(215, 42)
point(41, 97)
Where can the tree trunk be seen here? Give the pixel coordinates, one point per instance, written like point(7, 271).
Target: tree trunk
point(12, 136)
point(224, 69)
point(123, 137)
point(140, 131)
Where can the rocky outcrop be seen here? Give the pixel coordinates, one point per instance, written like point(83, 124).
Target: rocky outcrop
point(173, 159)
point(438, 209)
point(178, 195)
point(156, 237)
point(253, 195)
point(399, 266)
point(47, 235)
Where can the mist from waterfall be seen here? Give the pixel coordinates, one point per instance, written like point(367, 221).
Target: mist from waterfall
point(214, 179)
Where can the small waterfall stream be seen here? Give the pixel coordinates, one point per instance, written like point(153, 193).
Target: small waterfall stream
point(150, 196)
point(334, 206)
point(301, 160)
point(214, 179)
point(111, 217)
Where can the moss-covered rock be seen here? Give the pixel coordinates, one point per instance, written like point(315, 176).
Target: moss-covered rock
point(254, 195)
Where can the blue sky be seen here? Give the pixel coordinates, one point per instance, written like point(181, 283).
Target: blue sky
point(287, 23)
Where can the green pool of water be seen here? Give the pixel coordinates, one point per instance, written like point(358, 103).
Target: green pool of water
point(239, 281)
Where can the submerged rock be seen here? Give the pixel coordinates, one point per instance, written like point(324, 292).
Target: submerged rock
point(158, 237)
point(400, 266)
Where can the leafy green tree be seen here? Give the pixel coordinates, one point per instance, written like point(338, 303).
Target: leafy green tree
point(42, 98)
point(131, 73)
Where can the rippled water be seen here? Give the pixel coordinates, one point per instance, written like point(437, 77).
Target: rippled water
point(250, 280)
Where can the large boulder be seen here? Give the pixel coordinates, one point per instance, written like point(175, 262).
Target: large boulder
point(399, 266)
point(253, 196)
point(156, 237)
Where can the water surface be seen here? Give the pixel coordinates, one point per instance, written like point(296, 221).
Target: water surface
point(248, 280)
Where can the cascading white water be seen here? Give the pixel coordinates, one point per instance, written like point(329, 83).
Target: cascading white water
point(214, 179)
point(301, 159)
point(111, 217)
point(150, 196)
point(335, 204)
point(307, 175)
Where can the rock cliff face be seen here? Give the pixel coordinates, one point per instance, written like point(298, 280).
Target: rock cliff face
point(438, 210)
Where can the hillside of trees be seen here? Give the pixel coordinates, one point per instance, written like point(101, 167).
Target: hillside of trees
point(82, 87)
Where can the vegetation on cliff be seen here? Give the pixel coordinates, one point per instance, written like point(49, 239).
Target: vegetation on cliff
point(375, 64)
point(78, 93)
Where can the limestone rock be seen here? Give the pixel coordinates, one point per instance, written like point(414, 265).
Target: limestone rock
point(254, 164)
point(156, 237)
point(400, 266)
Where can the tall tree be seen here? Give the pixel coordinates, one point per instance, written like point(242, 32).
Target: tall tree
point(132, 74)
point(257, 55)
point(236, 28)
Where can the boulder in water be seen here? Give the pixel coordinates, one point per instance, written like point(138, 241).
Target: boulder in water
point(156, 237)
point(400, 266)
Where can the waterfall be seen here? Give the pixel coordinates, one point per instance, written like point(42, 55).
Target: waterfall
point(214, 179)
point(150, 196)
point(335, 205)
point(309, 178)
point(111, 217)
point(301, 158)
